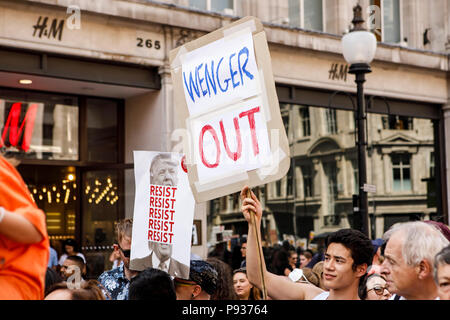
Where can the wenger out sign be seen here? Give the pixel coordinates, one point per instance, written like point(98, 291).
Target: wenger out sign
point(225, 94)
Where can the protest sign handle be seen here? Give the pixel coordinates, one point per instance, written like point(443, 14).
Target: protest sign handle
point(258, 243)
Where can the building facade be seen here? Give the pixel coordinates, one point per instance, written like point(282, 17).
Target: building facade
point(101, 88)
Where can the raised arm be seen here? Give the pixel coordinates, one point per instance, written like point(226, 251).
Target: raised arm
point(278, 287)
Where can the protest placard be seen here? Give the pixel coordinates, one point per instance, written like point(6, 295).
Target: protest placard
point(163, 214)
point(226, 100)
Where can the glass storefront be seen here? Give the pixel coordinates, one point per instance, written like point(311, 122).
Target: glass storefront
point(400, 164)
point(39, 126)
point(69, 149)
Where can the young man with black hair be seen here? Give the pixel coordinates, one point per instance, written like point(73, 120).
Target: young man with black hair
point(347, 256)
point(152, 284)
point(73, 266)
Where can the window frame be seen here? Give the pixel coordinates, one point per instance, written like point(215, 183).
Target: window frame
point(307, 180)
point(381, 6)
point(208, 7)
point(302, 121)
point(331, 120)
point(401, 166)
point(302, 16)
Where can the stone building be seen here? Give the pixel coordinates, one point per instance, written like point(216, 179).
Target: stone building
point(97, 74)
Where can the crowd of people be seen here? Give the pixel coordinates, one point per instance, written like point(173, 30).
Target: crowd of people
point(410, 262)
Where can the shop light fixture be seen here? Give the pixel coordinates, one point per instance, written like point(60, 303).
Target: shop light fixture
point(25, 81)
point(53, 193)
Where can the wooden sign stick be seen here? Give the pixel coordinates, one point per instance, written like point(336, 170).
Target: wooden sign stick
point(258, 243)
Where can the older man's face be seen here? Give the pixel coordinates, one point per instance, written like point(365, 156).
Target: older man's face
point(162, 250)
point(164, 173)
point(400, 277)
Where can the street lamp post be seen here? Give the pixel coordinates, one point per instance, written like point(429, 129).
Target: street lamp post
point(358, 47)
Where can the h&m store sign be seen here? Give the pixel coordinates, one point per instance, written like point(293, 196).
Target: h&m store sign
point(80, 32)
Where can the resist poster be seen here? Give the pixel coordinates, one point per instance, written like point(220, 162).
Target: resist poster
point(163, 214)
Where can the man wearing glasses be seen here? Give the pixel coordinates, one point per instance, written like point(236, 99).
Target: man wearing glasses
point(116, 282)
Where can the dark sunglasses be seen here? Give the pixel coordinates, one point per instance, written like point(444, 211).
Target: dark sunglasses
point(126, 253)
point(379, 290)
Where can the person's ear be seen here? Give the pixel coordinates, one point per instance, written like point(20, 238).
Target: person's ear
point(424, 269)
point(197, 290)
point(361, 270)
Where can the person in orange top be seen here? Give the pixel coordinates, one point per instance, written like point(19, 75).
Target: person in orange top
point(24, 243)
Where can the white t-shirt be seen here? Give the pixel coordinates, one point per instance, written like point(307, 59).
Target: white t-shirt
point(64, 256)
point(323, 296)
point(403, 298)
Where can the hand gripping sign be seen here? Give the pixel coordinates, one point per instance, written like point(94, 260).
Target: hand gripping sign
point(226, 100)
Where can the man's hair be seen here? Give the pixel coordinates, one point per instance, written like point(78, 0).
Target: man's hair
point(357, 242)
point(443, 257)
point(224, 289)
point(422, 241)
point(89, 290)
point(152, 284)
point(78, 261)
point(124, 228)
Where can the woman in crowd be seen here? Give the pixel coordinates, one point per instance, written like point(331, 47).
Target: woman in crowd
point(305, 258)
point(243, 288)
point(70, 248)
point(373, 286)
point(442, 273)
point(292, 258)
point(224, 289)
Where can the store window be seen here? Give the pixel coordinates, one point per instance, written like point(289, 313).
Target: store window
point(307, 14)
point(61, 141)
point(401, 158)
point(355, 177)
point(401, 172)
point(313, 17)
point(39, 126)
point(286, 123)
point(54, 189)
point(386, 20)
point(305, 125)
point(331, 179)
point(432, 165)
point(393, 122)
point(223, 6)
point(330, 121)
point(307, 181)
point(102, 130)
point(290, 181)
point(100, 207)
